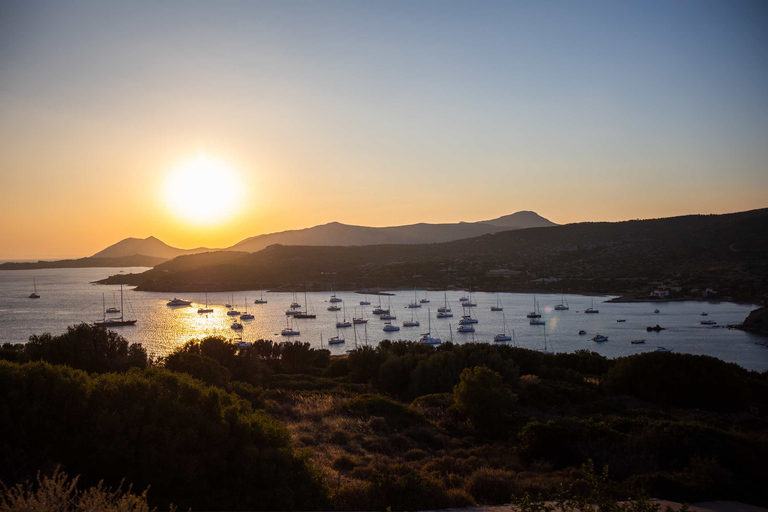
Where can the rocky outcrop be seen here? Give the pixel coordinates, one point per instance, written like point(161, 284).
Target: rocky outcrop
point(757, 321)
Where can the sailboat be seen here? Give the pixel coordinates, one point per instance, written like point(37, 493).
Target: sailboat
point(592, 309)
point(289, 330)
point(469, 303)
point(387, 315)
point(534, 313)
point(343, 323)
point(246, 315)
point(305, 313)
point(545, 350)
point(425, 300)
point(563, 306)
point(378, 310)
point(498, 306)
point(334, 298)
point(467, 319)
point(361, 319)
point(444, 308)
point(233, 312)
point(537, 319)
point(503, 336)
point(261, 299)
point(34, 294)
point(113, 309)
point(206, 309)
point(365, 302)
point(115, 322)
point(427, 338)
point(414, 304)
point(388, 327)
point(336, 340)
point(412, 322)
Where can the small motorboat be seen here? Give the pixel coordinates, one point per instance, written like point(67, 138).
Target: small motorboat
point(233, 312)
point(662, 349)
point(333, 307)
point(600, 337)
point(582, 332)
point(237, 326)
point(655, 328)
point(704, 314)
point(179, 302)
point(621, 320)
point(656, 311)
point(637, 342)
point(708, 322)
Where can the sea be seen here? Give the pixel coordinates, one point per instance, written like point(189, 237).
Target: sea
point(69, 296)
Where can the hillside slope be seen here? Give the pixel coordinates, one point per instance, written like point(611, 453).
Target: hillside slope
point(726, 252)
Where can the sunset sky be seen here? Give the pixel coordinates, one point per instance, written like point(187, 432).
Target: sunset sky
point(204, 123)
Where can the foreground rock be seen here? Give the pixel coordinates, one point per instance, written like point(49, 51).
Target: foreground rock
point(757, 321)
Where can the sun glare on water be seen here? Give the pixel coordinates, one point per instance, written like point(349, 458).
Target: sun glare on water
point(203, 191)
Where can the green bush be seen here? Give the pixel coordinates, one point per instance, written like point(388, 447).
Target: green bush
point(682, 380)
point(197, 446)
point(86, 347)
point(484, 398)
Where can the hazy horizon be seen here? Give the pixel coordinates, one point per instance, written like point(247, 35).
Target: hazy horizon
point(203, 124)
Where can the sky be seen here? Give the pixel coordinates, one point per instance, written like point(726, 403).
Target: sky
point(204, 123)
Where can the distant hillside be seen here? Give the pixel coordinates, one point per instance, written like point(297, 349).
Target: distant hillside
point(137, 260)
point(150, 246)
point(726, 252)
point(338, 234)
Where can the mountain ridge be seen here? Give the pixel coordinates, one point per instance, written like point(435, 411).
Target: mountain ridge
point(337, 233)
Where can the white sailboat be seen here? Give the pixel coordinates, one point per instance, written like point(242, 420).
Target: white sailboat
point(246, 315)
point(503, 336)
point(563, 306)
point(34, 294)
point(206, 309)
point(427, 338)
point(498, 306)
point(115, 322)
point(261, 299)
point(592, 309)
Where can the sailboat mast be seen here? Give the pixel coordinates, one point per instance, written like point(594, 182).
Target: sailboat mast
point(122, 314)
point(104, 308)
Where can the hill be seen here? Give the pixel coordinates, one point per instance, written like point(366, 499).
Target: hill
point(727, 253)
point(339, 234)
point(149, 246)
point(136, 260)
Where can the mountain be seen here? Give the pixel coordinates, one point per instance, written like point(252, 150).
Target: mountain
point(150, 246)
point(728, 253)
point(338, 234)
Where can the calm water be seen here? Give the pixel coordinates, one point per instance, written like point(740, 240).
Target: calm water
point(68, 298)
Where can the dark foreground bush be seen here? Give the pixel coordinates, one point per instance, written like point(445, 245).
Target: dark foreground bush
point(485, 399)
point(682, 380)
point(86, 347)
point(197, 446)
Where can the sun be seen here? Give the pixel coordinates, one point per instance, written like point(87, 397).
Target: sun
point(203, 191)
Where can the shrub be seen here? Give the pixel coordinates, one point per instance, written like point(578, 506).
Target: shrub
point(197, 445)
point(484, 398)
point(682, 380)
point(198, 366)
point(87, 347)
point(491, 486)
point(58, 492)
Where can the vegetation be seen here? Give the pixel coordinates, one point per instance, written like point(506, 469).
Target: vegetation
point(727, 253)
point(402, 425)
